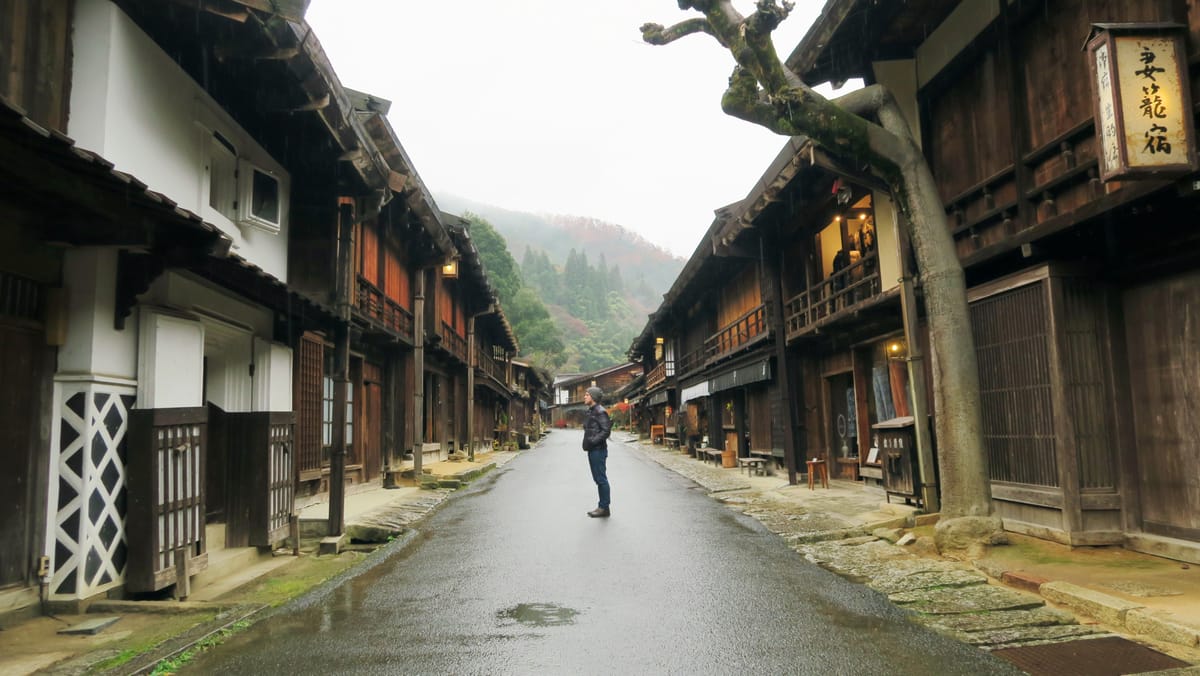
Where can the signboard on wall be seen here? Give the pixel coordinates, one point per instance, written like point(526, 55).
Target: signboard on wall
point(1143, 103)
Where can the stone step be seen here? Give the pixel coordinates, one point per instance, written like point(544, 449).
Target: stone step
point(224, 563)
point(974, 599)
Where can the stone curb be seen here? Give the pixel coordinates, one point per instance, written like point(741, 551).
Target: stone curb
point(1161, 626)
point(1115, 612)
point(1107, 609)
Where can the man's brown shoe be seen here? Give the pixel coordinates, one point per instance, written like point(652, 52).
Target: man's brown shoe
point(598, 513)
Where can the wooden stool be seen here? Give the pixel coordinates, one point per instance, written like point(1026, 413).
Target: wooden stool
point(818, 467)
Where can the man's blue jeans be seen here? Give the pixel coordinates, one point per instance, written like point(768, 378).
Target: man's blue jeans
point(598, 461)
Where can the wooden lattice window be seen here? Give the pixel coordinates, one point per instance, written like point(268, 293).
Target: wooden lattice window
point(1012, 344)
point(308, 404)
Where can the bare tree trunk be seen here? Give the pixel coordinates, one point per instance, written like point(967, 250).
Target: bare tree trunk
point(762, 91)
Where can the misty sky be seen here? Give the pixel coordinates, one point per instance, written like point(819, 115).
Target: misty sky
point(557, 106)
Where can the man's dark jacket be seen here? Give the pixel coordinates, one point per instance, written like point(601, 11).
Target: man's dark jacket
point(596, 428)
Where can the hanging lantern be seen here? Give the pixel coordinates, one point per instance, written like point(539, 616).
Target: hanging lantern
point(1143, 105)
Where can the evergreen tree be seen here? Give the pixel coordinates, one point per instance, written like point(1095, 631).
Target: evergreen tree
point(501, 269)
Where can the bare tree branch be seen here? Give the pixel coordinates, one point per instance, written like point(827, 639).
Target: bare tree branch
point(656, 34)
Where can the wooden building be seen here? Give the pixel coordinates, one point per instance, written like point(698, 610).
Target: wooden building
point(162, 304)
point(829, 237)
point(481, 364)
point(214, 292)
point(568, 408)
point(709, 350)
point(1076, 240)
point(530, 390)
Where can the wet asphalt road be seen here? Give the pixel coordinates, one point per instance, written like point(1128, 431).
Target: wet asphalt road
point(512, 577)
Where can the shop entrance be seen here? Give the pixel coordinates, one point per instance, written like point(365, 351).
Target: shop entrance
point(843, 421)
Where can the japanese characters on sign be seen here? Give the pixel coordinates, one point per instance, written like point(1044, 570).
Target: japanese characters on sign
point(1143, 119)
point(1106, 121)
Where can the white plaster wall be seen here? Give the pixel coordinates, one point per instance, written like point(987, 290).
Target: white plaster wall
point(237, 334)
point(229, 355)
point(190, 294)
point(132, 104)
point(272, 376)
point(170, 361)
point(886, 235)
point(93, 346)
point(900, 77)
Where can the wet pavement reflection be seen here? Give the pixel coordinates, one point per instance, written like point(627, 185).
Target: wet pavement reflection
point(512, 577)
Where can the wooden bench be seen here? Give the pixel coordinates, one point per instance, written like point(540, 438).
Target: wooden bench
point(753, 464)
point(713, 454)
point(768, 456)
point(672, 442)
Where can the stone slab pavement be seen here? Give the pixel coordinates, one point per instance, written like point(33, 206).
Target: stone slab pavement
point(1029, 592)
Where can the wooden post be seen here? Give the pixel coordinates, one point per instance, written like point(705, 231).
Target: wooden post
point(783, 368)
point(337, 451)
point(716, 435)
point(472, 361)
point(294, 533)
point(916, 378)
point(183, 580)
point(343, 286)
point(418, 419)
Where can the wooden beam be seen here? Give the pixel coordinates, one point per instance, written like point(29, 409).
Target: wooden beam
point(235, 50)
point(292, 10)
point(396, 181)
point(222, 8)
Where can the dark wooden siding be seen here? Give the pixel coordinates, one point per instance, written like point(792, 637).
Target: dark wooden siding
point(20, 371)
point(971, 128)
point(1086, 371)
point(35, 58)
point(368, 253)
point(1057, 80)
point(739, 296)
point(758, 407)
point(1008, 126)
point(396, 279)
point(1162, 328)
point(1012, 341)
point(371, 429)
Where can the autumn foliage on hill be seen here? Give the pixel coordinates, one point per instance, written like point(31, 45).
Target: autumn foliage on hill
point(583, 288)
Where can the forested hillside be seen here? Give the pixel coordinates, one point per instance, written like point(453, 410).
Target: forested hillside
point(646, 270)
point(578, 312)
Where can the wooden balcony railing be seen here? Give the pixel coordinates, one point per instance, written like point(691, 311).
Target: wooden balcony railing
point(659, 374)
point(656, 375)
point(839, 294)
point(372, 302)
point(454, 343)
point(743, 331)
point(737, 334)
point(489, 366)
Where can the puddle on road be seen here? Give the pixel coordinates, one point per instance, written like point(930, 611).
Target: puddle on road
point(538, 615)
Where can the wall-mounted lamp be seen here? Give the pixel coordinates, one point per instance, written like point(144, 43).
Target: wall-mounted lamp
point(450, 269)
point(658, 341)
point(897, 349)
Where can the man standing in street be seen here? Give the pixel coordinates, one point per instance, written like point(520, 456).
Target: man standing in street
point(596, 428)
